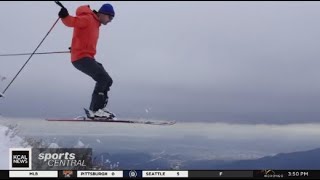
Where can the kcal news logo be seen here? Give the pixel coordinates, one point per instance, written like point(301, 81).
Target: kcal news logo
point(20, 159)
point(50, 158)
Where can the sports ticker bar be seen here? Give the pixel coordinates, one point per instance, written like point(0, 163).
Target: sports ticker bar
point(145, 174)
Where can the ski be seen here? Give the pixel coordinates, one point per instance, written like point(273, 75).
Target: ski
point(113, 120)
point(85, 119)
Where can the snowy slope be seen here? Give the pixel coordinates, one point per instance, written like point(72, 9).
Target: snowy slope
point(9, 139)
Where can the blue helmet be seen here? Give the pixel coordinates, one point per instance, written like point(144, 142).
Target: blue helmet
point(107, 9)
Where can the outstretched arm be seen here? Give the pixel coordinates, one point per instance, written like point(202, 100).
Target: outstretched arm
point(70, 21)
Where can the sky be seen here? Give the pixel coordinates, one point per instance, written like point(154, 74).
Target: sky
point(168, 57)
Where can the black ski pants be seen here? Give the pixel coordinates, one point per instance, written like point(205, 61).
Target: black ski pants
point(97, 72)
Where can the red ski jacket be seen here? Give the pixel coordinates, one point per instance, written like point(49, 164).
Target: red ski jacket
point(85, 32)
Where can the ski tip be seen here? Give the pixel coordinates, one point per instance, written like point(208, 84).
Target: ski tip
point(1, 95)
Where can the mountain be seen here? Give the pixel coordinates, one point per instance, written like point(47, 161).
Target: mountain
point(308, 160)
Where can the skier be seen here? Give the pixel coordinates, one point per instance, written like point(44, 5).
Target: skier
point(86, 26)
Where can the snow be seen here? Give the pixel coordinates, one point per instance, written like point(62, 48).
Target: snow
point(80, 144)
point(53, 145)
point(9, 139)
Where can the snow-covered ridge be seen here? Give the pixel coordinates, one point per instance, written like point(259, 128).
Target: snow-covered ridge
point(9, 139)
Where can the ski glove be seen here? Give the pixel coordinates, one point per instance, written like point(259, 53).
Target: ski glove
point(63, 13)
